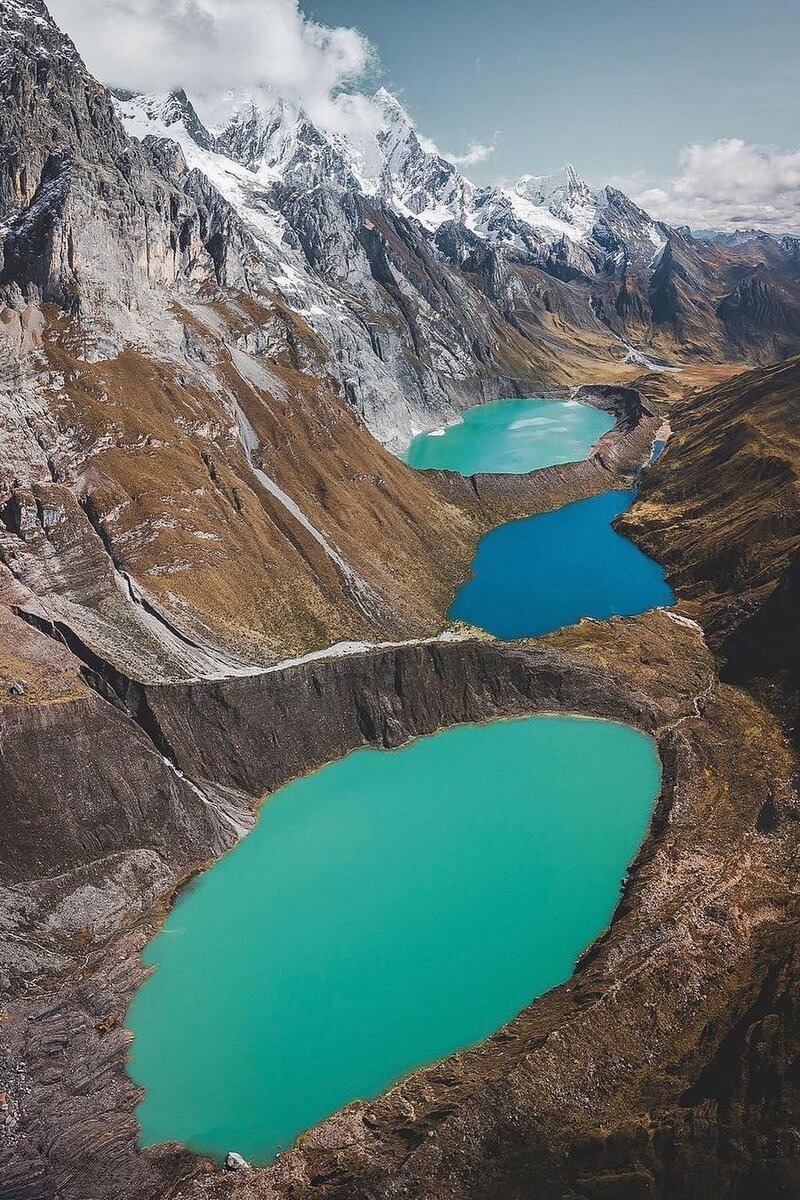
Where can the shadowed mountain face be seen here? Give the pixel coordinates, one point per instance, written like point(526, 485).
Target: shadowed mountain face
point(762, 313)
point(731, 484)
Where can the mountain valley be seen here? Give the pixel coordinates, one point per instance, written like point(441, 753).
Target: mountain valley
point(217, 574)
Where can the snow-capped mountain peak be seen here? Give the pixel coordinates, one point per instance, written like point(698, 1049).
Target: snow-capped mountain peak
point(28, 24)
point(276, 140)
point(559, 204)
point(274, 137)
point(390, 105)
point(174, 112)
point(561, 192)
point(414, 177)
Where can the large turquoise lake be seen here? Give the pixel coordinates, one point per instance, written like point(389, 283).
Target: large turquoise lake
point(532, 576)
point(511, 436)
point(386, 910)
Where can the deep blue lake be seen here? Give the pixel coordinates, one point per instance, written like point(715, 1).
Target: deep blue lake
point(535, 575)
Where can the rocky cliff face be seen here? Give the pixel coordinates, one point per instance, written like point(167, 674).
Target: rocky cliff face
point(183, 485)
point(90, 219)
point(763, 310)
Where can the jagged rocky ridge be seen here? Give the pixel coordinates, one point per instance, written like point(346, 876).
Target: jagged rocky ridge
point(547, 253)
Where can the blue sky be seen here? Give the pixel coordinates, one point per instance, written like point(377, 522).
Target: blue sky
point(616, 88)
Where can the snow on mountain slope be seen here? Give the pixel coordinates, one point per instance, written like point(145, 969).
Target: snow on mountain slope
point(390, 160)
point(501, 215)
point(316, 261)
point(416, 180)
point(311, 198)
point(562, 192)
point(563, 197)
point(174, 117)
point(274, 141)
point(273, 137)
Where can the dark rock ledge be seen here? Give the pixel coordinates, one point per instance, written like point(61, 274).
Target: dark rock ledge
point(660, 1069)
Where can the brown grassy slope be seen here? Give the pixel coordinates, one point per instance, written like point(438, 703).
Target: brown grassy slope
point(169, 485)
point(722, 511)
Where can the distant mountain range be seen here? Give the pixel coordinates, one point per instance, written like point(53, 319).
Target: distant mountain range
point(549, 254)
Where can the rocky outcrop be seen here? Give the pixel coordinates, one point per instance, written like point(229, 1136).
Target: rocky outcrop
point(91, 220)
point(763, 311)
point(725, 300)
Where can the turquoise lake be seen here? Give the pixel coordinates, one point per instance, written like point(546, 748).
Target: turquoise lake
point(511, 436)
point(532, 576)
point(386, 910)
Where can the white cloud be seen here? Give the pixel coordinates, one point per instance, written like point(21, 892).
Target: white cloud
point(476, 152)
point(729, 184)
point(209, 46)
